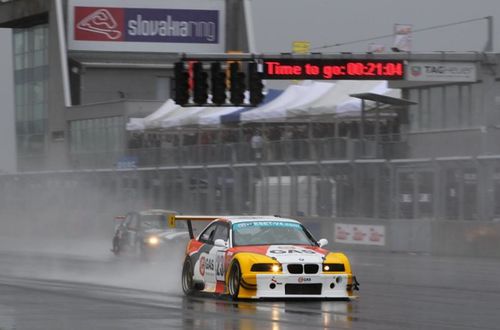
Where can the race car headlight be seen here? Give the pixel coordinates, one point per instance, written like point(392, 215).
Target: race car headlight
point(153, 240)
point(275, 268)
point(333, 267)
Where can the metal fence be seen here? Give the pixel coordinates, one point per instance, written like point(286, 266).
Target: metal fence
point(437, 189)
point(232, 153)
point(442, 206)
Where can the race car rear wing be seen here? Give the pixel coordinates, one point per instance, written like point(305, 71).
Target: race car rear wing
point(172, 218)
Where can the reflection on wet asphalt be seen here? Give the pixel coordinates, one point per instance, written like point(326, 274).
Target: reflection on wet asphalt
point(398, 291)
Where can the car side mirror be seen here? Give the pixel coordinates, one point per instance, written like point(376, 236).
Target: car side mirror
point(220, 243)
point(322, 242)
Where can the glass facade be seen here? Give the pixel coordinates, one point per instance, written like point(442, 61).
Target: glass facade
point(445, 107)
point(31, 97)
point(97, 135)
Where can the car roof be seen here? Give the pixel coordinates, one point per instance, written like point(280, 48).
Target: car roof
point(156, 212)
point(251, 218)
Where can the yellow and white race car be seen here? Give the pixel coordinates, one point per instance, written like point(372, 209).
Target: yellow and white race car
point(263, 257)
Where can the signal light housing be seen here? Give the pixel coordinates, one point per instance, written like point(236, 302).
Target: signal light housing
point(238, 85)
point(181, 84)
point(192, 87)
point(255, 84)
point(200, 84)
point(218, 84)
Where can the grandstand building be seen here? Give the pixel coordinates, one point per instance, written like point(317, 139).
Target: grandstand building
point(429, 153)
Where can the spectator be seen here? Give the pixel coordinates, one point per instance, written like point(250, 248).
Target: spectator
point(257, 142)
point(166, 142)
point(205, 138)
point(287, 143)
point(136, 141)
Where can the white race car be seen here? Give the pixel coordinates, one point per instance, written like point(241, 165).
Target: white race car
point(263, 257)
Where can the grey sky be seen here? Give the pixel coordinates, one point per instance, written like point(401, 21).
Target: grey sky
point(279, 22)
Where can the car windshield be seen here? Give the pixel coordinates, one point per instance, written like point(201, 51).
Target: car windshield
point(153, 222)
point(270, 233)
point(159, 221)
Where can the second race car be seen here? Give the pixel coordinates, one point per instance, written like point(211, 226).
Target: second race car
point(146, 232)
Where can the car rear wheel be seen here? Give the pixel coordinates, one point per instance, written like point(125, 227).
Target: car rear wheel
point(187, 277)
point(234, 280)
point(116, 245)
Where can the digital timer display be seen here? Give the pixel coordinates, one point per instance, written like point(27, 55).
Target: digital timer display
point(319, 69)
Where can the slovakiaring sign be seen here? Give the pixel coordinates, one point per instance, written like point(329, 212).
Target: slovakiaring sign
point(146, 26)
point(441, 71)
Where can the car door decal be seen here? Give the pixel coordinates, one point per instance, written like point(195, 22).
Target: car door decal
point(219, 264)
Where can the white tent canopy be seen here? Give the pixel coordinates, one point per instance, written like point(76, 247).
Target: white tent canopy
point(199, 116)
point(309, 99)
point(135, 124)
point(152, 120)
point(172, 115)
point(211, 117)
point(166, 110)
point(181, 117)
point(338, 102)
point(293, 96)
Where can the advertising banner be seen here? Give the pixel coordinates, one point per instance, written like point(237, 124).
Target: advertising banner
point(402, 37)
point(376, 48)
point(147, 26)
point(442, 71)
point(360, 234)
point(301, 47)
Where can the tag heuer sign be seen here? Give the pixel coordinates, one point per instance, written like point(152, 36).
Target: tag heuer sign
point(442, 71)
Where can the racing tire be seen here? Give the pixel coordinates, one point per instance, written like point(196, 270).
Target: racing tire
point(144, 255)
point(187, 277)
point(234, 280)
point(116, 246)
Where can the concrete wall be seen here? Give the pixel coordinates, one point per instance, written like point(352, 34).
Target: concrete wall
point(102, 84)
point(20, 9)
point(463, 142)
point(126, 108)
point(450, 238)
point(7, 128)
point(468, 238)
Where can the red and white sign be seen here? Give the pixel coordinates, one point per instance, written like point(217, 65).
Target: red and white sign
point(99, 24)
point(147, 26)
point(359, 234)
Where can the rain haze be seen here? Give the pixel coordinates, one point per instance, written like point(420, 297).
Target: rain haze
point(59, 268)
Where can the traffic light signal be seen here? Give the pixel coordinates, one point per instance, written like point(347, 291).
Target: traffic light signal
point(218, 84)
point(200, 84)
point(255, 84)
point(238, 86)
point(181, 84)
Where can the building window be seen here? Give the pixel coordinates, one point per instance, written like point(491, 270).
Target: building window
point(445, 107)
point(30, 77)
point(101, 135)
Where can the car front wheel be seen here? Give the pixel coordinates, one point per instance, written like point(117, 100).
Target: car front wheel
point(187, 277)
point(234, 280)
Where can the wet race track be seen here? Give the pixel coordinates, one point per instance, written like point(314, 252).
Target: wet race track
point(88, 288)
